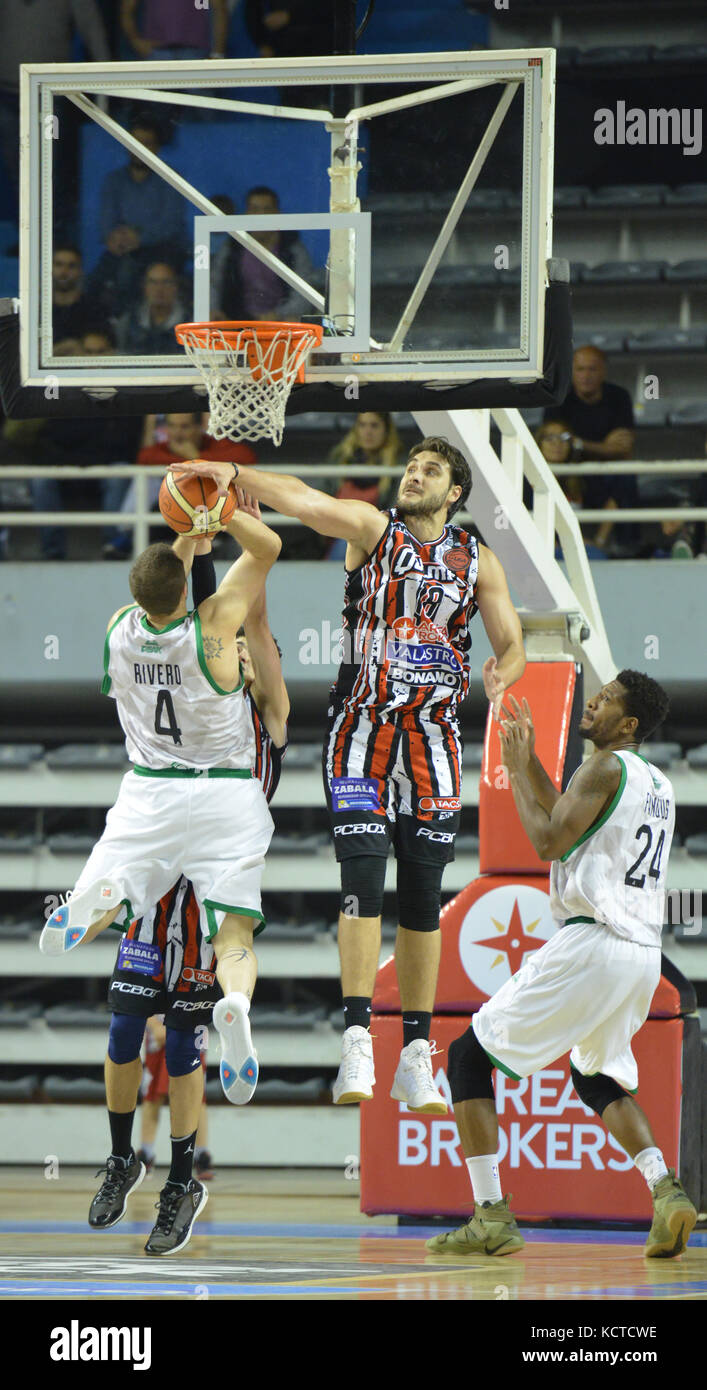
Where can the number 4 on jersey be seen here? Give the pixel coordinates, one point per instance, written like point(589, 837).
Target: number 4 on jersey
point(165, 706)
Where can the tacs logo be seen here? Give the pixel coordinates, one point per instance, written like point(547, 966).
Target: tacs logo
point(198, 977)
point(360, 828)
point(440, 837)
point(499, 931)
point(440, 803)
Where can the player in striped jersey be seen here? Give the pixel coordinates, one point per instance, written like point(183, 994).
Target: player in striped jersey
point(392, 756)
point(184, 986)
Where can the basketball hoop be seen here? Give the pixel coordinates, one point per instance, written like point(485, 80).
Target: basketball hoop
point(249, 370)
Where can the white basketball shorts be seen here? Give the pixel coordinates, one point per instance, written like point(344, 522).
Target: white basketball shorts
point(586, 992)
point(215, 831)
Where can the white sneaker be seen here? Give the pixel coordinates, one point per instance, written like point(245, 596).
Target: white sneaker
point(414, 1082)
point(238, 1067)
point(69, 923)
point(356, 1076)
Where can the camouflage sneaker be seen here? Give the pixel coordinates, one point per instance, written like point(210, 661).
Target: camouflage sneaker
point(673, 1219)
point(492, 1230)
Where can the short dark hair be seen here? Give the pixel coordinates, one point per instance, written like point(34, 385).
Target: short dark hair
point(146, 121)
point(460, 470)
point(261, 190)
point(645, 700)
point(67, 246)
point(157, 579)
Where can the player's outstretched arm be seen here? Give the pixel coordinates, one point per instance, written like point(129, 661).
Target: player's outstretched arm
point(185, 548)
point(268, 689)
point(592, 788)
point(225, 611)
point(502, 626)
point(358, 522)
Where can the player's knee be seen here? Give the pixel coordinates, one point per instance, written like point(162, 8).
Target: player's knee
point(362, 885)
point(181, 1052)
point(419, 895)
point(469, 1070)
point(125, 1038)
point(596, 1091)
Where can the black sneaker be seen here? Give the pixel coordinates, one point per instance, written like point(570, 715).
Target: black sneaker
point(204, 1165)
point(122, 1177)
point(178, 1209)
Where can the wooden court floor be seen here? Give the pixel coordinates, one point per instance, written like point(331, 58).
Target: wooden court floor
point(300, 1235)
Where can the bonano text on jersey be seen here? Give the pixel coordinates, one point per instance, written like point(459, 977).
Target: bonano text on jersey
point(406, 638)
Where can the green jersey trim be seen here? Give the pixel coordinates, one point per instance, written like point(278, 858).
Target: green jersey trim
point(106, 682)
point(192, 771)
point(603, 818)
point(571, 921)
point(202, 661)
point(495, 1062)
point(211, 908)
point(157, 631)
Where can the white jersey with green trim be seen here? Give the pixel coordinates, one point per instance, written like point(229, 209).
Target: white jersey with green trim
point(172, 711)
point(616, 872)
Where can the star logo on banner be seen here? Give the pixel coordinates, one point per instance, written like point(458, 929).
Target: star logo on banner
point(513, 940)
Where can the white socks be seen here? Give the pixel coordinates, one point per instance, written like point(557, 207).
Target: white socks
point(485, 1182)
point(651, 1165)
point(239, 1001)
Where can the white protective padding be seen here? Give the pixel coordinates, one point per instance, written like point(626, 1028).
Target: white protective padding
point(524, 541)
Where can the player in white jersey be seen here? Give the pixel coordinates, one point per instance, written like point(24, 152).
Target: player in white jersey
point(191, 803)
point(392, 755)
point(589, 988)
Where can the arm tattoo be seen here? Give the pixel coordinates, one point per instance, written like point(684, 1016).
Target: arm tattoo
point(213, 646)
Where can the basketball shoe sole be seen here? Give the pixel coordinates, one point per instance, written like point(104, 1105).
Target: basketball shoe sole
point(238, 1067)
point(69, 923)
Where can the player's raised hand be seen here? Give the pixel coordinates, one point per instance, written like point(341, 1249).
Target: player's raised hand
point(248, 504)
point(493, 685)
point(223, 474)
point(515, 742)
point(522, 715)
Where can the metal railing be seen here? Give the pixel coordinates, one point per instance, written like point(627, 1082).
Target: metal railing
point(142, 518)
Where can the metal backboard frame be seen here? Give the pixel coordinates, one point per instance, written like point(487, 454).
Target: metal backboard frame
point(525, 75)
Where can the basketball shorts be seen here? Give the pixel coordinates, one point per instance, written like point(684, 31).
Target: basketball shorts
point(393, 781)
point(166, 964)
point(586, 992)
point(155, 1077)
point(215, 831)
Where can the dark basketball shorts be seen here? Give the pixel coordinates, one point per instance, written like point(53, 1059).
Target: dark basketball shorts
point(394, 781)
point(166, 965)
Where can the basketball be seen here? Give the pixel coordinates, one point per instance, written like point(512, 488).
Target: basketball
point(193, 507)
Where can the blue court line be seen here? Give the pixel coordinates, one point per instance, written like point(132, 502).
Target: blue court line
point(676, 1290)
point(533, 1235)
point(52, 1289)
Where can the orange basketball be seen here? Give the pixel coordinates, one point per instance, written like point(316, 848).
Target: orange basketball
point(193, 507)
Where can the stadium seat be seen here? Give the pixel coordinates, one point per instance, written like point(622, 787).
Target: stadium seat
point(312, 422)
point(287, 931)
point(18, 844)
point(618, 55)
point(687, 195)
point(70, 842)
point(668, 339)
point(624, 272)
point(571, 196)
point(692, 53)
point(88, 755)
point(688, 270)
point(467, 843)
point(77, 1016)
point(16, 755)
point(473, 754)
point(19, 1016)
point(275, 1019)
point(11, 930)
point(689, 413)
point(697, 757)
point(76, 1089)
point(651, 414)
point(301, 755)
point(696, 844)
point(662, 754)
point(628, 195)
point(609, 340)
point(21, 1088)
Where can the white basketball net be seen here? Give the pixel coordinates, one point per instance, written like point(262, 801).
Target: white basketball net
point(248, 379)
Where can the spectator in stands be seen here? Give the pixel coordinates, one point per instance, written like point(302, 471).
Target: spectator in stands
point(176, 29)
point(40, 33)
point(181, 437)
point(149, 327)
point(600, 416)
point(251, 290)
point(73, 312)
point(554, 439)
point(304, 27)
point(143, 219)
point(81, 442)
point(373, 439)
